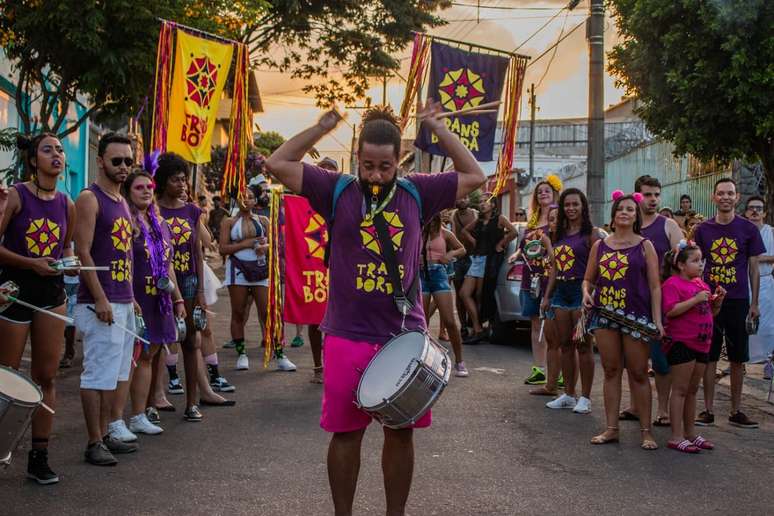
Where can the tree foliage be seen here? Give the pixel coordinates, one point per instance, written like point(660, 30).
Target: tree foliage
point(264, 143)
point(357, 39)
point(704, 71)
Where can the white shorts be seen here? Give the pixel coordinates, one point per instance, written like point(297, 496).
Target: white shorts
point(239, 278)
point(107, 350)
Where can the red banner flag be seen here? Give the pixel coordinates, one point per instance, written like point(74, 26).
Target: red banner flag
point(306, 277)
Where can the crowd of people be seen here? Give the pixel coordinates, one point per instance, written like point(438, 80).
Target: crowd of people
point(648, 291)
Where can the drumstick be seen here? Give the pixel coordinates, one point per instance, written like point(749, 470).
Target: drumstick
point(39, 309)
point(84, 268)
point(486, 105)
point(47, 407)
point(466, 112)
point(542, 324)
point(127, 330)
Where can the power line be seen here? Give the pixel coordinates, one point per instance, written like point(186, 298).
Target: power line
point(540, 29)
point(533, 61)
point(506, 8)
point(556, 47)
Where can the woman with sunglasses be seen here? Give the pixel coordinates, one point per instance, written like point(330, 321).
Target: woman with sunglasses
point(622, 288)
point(152, 268)
point(37, 228)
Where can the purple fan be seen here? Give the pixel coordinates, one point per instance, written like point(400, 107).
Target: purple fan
point(151, 162)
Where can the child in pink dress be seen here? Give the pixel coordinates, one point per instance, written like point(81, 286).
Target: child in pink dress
point(688, 308)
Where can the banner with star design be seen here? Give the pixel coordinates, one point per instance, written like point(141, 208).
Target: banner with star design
point(461, 80)
point(200, 72)
point(306, 277)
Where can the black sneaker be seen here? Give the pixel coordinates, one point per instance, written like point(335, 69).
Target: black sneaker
point(705, 419)
point(99, 455)
point(119, 447)
point(175, 387)
point(192, 414)
point(152, 413)
point(220, 384)
point(37, 467)
point(742, 421)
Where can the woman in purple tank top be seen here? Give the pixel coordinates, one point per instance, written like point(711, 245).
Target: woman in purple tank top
point(622, 290)
point(575, 234)
point(152, 250)
point(36, 232)
point(184, 220)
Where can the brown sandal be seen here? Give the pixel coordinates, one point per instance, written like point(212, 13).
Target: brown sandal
point(601, 439)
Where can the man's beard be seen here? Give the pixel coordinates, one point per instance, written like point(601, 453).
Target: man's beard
point(113, 176)
point(375, 189)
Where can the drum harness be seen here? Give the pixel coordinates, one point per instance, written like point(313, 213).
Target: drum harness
point(403, 299)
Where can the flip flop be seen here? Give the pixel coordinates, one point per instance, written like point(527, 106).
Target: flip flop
point(684, 446)
point(598, 439)
point(702, 443)
point(224, 403)
point(625, 415)
point(662, 421)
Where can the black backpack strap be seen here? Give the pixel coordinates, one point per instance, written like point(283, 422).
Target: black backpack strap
point(403, 301)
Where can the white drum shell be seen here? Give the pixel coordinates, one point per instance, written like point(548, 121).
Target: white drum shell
point(404, 379)
point(19, 397)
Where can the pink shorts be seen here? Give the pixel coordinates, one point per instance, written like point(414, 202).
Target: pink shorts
point(342, 358)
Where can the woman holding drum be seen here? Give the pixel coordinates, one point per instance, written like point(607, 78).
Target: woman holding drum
point(37, 229)
point(622, 286)
point(572, 241)
point(155, 290)
point(544, 196)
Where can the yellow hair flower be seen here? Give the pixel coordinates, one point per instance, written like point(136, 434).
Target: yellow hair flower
point(555, 182)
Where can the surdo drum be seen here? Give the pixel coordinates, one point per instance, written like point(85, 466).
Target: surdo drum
point(404, 379)
point(199, 318)
point(19, 398)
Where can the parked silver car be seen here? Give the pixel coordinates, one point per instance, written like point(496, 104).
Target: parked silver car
point(508, 316)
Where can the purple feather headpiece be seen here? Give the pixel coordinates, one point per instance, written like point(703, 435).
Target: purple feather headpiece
point(151, 162)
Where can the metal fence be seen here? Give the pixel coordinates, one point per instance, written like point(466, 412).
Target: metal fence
point(681, 175)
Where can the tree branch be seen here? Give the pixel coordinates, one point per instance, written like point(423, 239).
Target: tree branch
point(80, 121)
point(21, 106)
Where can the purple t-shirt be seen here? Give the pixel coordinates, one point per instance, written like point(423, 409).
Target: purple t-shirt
point(361, 306)
point(727, 249)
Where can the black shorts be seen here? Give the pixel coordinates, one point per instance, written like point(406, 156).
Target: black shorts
point(730, 326)
point(461, 266)
point(679, 353)
point(44, 292)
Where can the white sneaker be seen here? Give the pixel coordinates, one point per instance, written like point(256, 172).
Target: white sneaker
point(583, 406)
point(283, 364)
point(460, 370)
point(140, 424)
point(118, 431)
point(242, 363)
point(562, 402)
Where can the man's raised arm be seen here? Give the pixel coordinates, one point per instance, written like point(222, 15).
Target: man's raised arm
point(285, 162)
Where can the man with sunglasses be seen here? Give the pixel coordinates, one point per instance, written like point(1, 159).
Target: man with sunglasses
point(762, 343)
point(103, 237)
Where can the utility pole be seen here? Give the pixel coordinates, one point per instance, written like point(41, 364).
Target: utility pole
point(531, 131)
point(595, 169)
point(384, 90)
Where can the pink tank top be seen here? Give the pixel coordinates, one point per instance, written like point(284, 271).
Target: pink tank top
point(436, 248)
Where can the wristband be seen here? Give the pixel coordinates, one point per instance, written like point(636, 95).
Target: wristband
point(179, 302)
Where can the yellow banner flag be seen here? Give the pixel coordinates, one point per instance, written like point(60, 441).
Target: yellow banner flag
point(201, 69)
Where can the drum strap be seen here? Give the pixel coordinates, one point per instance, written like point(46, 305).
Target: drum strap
point(403, 301)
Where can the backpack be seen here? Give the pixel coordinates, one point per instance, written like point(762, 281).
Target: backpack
point(343, 182)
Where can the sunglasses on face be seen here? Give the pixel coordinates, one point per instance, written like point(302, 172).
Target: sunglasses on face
point(755, 208)
point(140, 188)
point(116, 162)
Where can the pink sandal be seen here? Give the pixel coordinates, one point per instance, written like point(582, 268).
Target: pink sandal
point(684, 446)
point(701, 442)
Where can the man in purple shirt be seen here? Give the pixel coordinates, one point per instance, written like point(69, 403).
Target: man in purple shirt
point(361, 313)
point(730, 244)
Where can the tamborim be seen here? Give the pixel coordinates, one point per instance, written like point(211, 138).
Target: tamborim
point(404, 379)
point(9, 288)
point(68, 262)
point(165, 284)
point(199, 318)
point(19, 397)
point(180, 328)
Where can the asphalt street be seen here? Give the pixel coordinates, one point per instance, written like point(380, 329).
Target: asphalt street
point(492, 449)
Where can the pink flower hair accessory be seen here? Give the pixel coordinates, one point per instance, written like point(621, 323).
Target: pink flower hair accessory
point(617, 194)
point(637, 196)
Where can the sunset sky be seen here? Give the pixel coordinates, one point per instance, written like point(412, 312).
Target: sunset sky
point(561, 93)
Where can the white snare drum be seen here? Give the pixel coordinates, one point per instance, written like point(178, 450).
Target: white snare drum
point(19, 397)
point(404, 379)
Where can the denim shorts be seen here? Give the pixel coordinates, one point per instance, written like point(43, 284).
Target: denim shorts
point(530, 306)
point(567, 295)
point(71, 289)
point(477, 267)
point(658, 359)
point(434, 279)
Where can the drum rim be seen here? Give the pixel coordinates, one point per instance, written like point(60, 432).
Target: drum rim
point(23, 403)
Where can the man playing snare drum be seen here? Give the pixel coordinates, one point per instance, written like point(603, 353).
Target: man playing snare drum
point(362, 314)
